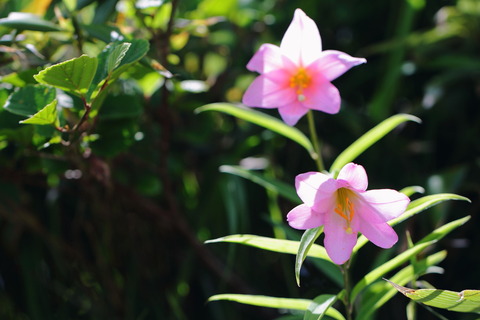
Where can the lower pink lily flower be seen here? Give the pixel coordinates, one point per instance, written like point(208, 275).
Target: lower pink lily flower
point(296, 76)
point(345, 207)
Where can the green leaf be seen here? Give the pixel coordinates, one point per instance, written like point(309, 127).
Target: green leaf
point(116, 56)
point(368, 139)
point(46, 116)
point(271, 244)
point(282, 188)
point(115, 59)
point(74, 75)
point(273, 302)
point(433, 237)
point(262, 120)
point(414, 208)
point(463, 301)
point(380, 271)
point(264, 301)
point(320, 306)
point(29, 100)
point(380, 292)
point(308, 239)
point(408, 191)
point(27, 21)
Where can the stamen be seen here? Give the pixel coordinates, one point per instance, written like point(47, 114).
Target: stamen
point(345, 207)
point(300, 81)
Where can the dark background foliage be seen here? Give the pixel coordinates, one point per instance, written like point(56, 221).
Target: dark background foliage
point(114, 228)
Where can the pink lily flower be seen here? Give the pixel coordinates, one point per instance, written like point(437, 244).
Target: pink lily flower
point(296, 76)
point(345, 208)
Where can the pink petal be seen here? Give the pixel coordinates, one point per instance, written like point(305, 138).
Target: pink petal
point(322, 96)
point(292, 112)
point(316, 190)
point(385, 204)
point(338, 243)
point(332, 64)
point(355, 175)
point(270, 90)
point(303, 217)
point(266, 59)
point(381, 234)
point(302, 42)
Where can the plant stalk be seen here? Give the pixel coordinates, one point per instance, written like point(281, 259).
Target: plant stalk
point(315, 141)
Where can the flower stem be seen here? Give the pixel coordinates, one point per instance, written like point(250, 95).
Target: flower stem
point(346, 283)
point(315, 141)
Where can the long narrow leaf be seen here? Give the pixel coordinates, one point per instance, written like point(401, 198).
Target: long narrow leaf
point(368, 139)
point(262, 120)
point(271, 244)
point(322, 305)
point(274, 302)
point(380, 271)
point(384, 292)
point(308, 239)
point(464, 301)
point(282, 188)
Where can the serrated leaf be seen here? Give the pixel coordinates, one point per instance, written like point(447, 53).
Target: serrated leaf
point(368, 139)
point(27, 21)
point(414, 208)
point(106, 75)
point(263, 120)
point(74, 75)
point(280, 187)
point(320, 306)
point(116, 56)
point(463, 301)
point(29, 100)
point(273, 302)
point(308, 239)
point(46, 116)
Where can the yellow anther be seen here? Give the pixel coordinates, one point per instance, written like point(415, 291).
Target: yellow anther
point(345, 207)
point(300, 81)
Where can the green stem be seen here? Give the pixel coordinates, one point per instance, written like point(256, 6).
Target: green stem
point(315, 141)
point(346, 283)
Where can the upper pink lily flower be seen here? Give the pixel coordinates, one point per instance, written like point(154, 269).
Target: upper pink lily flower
point(295, 77)
point(345, 208)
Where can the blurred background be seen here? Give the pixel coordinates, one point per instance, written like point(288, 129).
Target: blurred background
point(114, 228)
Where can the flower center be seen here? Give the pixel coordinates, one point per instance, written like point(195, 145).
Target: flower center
point(300, 81)
point(345, 207)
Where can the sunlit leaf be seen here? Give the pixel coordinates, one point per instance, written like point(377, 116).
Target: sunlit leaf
point(74, 75)
point(379, 293)
point(380, 271)
point(408, 191)
point(463, 301)
point(271, 244)
point(321, 306)
point(368, 139)
point(282, 188)
point(116, 56)
point(262, 120)
point(273, 302)
point(29, 100)
point(46, 116)
point(27, 21)
point(308, 239)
